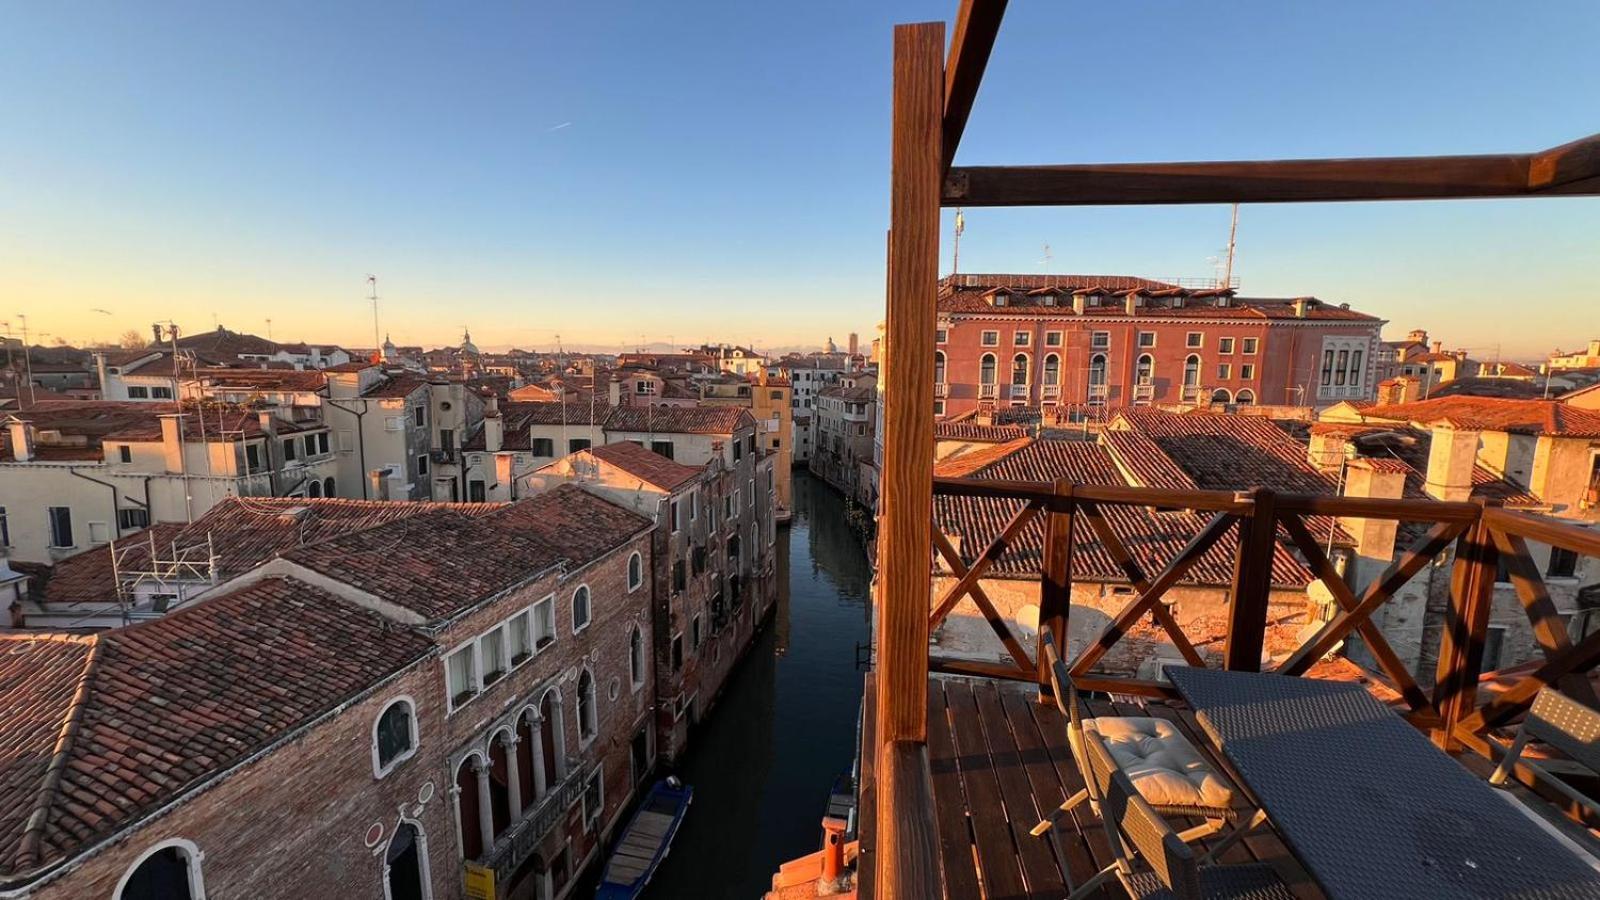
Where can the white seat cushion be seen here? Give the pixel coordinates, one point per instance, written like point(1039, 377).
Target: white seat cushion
point(1166, 769)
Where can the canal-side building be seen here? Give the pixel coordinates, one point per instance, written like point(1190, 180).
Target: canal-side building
point(1096, 343)
point(842, 448)
point(713, 578)
point(440, 697)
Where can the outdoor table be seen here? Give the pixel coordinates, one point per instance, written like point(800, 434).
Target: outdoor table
point(1365, 802)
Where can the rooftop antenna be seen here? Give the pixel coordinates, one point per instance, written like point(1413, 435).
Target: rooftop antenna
point(1044, 263)
point(269, 329)
point(27, 359)
point(1233, 233)
point(955, 247)
point(372, 282)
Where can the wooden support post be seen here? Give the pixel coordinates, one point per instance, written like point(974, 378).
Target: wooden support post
point(1466, 626)
point(906, 864)
point(1252, 585)
point(1055, 588)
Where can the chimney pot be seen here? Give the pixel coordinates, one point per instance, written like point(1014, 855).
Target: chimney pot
point(23, 440)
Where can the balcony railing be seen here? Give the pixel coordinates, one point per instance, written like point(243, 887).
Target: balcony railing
point(1050, 391)
point(941, 389)
point(987, 391)
point(1018, 392)
point(1097, 393)
point(519, 841)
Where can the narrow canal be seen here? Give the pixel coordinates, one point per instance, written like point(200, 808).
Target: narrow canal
point(763, 763)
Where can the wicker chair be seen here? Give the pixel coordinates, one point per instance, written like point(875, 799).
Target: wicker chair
point(1568, 726)
point(1134, 829)
point(1162, 765)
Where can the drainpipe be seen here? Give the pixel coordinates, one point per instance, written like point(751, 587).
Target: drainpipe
point(361, 441)
point(116, 525)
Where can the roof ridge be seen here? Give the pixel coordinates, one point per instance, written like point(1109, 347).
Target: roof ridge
point(44, 800)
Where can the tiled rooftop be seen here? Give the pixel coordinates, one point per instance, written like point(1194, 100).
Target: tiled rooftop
point(1538, 417)
point(244, 533)
point(646, 465)
point(972, 431)
point(172, 703)
point(1153, 538)
point(451, 561)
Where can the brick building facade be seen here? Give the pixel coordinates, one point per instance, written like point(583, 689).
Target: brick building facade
point(1095, 343)
point(372, 715)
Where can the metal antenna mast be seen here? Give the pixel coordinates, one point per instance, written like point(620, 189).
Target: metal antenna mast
point(955, 247)
point(372, 282)
point(1233, 233)
point(27, 359)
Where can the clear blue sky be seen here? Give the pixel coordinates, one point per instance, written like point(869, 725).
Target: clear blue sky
point(719, 170)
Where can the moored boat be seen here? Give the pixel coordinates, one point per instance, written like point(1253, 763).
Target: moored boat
point(645, 841)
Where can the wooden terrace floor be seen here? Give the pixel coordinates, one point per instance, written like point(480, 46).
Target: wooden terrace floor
point(999, 761)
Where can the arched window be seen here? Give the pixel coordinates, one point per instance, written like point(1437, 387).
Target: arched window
point(1097, 370)
point(1019, 369)
point(1191, 371)
point(635, 572)
point(733, 550)
point(1245, 397)
point(405, 865)
point(327, 488)
point(1144, 372)
point(986, 369)
point(580, 608)
point(168, 871)
point(467, 809)
point(1221, 395)
point(938, 367)
point(636, 657)
point(314, 488)
point(1052, 369)
point(552, 739)
point(499, 787)
point(527, 789)
point(588, 711)
point(394, 736)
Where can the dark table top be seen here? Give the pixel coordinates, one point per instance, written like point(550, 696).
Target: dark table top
point(1368, 804)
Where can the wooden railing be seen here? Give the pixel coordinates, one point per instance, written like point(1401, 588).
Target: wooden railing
point(1484, 537)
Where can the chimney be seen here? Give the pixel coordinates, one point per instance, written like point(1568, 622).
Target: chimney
point(1438, 346)
point(172, 441)
point(100, 372)
point(379, 483)
point(505, 483)
point(1374, 537)
point(1452, 455)
point(616, 392)
point(494, 431)
point(1326, 450)
point(1131, 303)
point(491, 404)
point(1301, 304)
point(23, 440)
point(269, 423)
point(1418, 336)
point(985, 415)
point(1079, 301)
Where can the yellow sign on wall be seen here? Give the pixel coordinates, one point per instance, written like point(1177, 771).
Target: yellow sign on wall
point(480, 882)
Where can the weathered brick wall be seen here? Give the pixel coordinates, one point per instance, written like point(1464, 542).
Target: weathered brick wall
point(1202, 612)
point(294, 823)
point(603, 648)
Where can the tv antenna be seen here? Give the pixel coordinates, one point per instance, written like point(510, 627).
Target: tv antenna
point(1044, 261)
point(1233, 233)
point(372, 283)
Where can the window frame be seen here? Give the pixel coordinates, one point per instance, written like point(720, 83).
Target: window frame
point(533, 623)
point(1194, 340)
point(1139, 340)
point(641, 656)
point(526, 614)
point(1250, 346)
point(470, 648)
point(192, 854)
point(584, 740)
point(1053, 339)
point(637, 557)
point(588, 608)
point(1225, 346)
point(1022, 339)
point(989, 338)
point(379, 769)
point(597, 778)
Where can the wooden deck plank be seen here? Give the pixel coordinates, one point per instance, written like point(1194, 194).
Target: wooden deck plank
point(1071, 851)
point(950, 804)
point(1039, 868)
point(867, 802)
point(998, 867)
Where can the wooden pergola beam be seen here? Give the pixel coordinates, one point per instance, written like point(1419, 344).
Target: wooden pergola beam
point(1569, 170)
point(977, 23)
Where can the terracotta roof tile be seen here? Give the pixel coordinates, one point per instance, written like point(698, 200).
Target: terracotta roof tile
point(1542, 417)
point(244, 533)
point(1153, 538)
point(972, 431)
point(647, 465)
point(451, 561)
point(177, 701)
